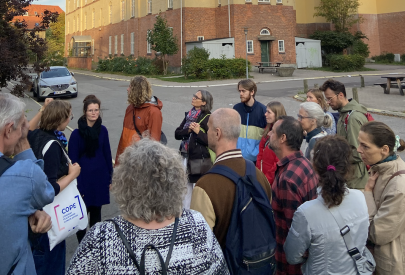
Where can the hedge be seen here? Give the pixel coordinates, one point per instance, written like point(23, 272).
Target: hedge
point(346, 63)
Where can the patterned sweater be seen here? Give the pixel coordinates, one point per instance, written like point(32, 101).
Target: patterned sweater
point(196, 250)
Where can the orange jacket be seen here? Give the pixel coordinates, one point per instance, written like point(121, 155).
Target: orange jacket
point(148, 116)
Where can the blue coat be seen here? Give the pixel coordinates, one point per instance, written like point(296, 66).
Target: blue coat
point(95, 176)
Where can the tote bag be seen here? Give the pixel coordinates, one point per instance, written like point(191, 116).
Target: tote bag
point(68, 211)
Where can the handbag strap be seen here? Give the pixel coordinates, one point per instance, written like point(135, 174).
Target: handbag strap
point(48, 144)
point(141, 267)
point(345, 232)
point(133, 120)
point(400, 172)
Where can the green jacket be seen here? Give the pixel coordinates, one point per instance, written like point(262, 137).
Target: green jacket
point(356, 120)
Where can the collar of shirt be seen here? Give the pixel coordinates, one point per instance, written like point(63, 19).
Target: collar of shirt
point(236, 153)
point(313, 133)
point(287, 159)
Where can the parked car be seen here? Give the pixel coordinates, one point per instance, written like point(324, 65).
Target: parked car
point(56, 82)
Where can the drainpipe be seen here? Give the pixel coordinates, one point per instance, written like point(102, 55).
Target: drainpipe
point(181, 32)
point(229, 18)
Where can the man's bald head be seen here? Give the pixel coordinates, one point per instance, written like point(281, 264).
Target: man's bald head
point(228, 120)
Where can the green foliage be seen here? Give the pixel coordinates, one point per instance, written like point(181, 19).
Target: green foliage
point(55, 37)
point(198, 64)
point(385, 58)
point(403, 57)
point(162, 40)
point(127, 65)
point(346, 63)
point(342, 13)
point(334, 42)
point(361, 48)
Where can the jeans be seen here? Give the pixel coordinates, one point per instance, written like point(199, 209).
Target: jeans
point(95, 217)
point(48, 262)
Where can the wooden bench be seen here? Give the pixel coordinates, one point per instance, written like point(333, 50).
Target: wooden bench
point(261, 68)
point(393, 85)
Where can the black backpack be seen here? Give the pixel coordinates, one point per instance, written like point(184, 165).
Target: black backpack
point(251, 237)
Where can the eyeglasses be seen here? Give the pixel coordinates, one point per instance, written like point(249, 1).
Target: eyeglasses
point(196, 97)
point(71, 116)
point(300, 117)
point(330, 99)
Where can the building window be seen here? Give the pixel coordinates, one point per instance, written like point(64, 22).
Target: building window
point(123, 10)
point(250, 46)
point(74, 4)
point(281, 48)
point(36, 14)
point(92, 46)
point(248, 0)
point(264, 32)
point(110, 13)
point(100, 21)
point(68, 27)
point(279, 1)
point(267, 1)
point(148, 45)
point(149, 6)
point(78, 3)
point(219, 2)
point(74, 24)
point(170, 4)
point(122, 44)
point(85, 21)
point(68, 6)
point(85, 2)
point(109, 45)
point(132, 43)
point(116, 45)
point(133, 8)
point(200, 38)
point(93, 18)
point(78, 24)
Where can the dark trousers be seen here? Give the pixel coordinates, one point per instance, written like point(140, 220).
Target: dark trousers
point(48, 262)
point(95, 217)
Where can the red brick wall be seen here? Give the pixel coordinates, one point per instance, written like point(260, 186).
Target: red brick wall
point(79, 62)
point(208, 22)
point(305, 30)
point(391, 27)
point(370, 28)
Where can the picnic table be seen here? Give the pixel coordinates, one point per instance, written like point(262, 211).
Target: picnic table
point(393, 81)
point(268, 65)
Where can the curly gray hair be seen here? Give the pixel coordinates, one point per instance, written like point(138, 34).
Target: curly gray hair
point(150, 183)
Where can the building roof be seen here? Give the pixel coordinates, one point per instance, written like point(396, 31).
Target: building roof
point(31, 17)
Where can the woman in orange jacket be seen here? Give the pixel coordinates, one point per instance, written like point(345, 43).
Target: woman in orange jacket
point(267, 159)
point(143, 117)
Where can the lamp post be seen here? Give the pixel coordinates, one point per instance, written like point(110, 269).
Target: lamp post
point(246, 45)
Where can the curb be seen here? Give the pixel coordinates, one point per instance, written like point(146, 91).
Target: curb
point(371, 110)
point(232, 84)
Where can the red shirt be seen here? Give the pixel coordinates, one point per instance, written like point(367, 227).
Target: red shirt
point(266, 160)
point(295, 183)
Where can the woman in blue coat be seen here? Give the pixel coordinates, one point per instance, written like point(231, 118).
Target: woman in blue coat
point(90, 147)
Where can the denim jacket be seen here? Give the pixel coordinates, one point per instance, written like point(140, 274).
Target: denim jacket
point(24, 189)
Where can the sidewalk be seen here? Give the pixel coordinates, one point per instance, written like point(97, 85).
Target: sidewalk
point(299, 74)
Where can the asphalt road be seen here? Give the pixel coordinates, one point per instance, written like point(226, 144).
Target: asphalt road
point(176, 101)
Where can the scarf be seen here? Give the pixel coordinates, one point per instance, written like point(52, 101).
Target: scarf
point(61, 137)
point(90, 135)
point(190, 118)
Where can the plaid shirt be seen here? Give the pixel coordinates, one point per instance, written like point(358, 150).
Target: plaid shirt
point(295, 183)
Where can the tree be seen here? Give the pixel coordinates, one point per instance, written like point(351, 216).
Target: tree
point(162, 40)
point(17, 42)
point(55, 39)
point(342, 13)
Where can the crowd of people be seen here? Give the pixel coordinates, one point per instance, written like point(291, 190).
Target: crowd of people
point(332, 184)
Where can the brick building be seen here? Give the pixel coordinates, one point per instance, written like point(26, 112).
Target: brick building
point(382, 21)
point(115, 27)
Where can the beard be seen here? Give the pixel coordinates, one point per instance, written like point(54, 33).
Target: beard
point(245, 99)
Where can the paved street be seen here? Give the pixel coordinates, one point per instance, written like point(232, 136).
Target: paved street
point(176, 101)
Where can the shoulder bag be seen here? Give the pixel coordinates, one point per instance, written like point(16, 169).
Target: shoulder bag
point(141, 267)
point(364, 262)
point(68, 211)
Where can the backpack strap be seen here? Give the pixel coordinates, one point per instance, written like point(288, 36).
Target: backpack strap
point(347, 119)
point(141, 268)
point(133, 120)
point(5, 163)
point(201, 129)
point(401, 172)
point(225, 171)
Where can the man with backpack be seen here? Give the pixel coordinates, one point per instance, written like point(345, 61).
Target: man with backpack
point(295, 182)
point(352, 116)
point(234, 197)
point(24, 190)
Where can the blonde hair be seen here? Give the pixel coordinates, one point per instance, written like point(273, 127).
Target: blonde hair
point(318, 94)
point(54, 114)
point(278, 109)
point(140, 91)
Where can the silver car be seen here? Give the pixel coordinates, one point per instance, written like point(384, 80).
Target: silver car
point(57, 82)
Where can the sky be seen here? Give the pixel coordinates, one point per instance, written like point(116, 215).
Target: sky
point(60, 3)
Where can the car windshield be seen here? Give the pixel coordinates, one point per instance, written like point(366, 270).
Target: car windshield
point(57, 72)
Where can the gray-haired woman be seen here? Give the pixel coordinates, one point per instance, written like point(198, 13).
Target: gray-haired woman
point(194, 141)
point(312, 119)
point(149, 186)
